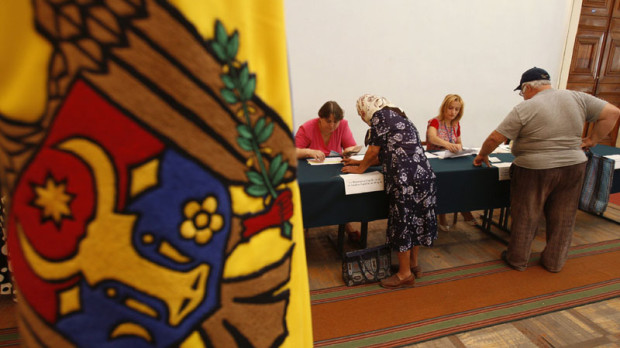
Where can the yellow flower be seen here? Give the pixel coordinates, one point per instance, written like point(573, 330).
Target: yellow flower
point(201, 220)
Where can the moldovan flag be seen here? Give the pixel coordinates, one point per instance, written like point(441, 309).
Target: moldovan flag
point(146, 150)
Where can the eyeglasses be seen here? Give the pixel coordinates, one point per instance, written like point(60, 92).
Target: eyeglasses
point(522, 89)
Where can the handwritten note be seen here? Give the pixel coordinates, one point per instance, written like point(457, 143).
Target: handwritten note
point(360, 183)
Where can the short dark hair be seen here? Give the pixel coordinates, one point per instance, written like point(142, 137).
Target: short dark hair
point(331, 108)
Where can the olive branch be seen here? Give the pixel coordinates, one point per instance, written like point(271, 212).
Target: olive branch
point(239, 87)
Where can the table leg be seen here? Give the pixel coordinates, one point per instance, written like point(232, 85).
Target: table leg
point(487, 223)
point(340, 244)
point(364, 236)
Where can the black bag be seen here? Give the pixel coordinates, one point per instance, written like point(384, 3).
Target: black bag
point(366, 265)
point(596, 184)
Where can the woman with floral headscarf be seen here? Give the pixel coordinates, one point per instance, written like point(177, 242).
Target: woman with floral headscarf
point(394, 142)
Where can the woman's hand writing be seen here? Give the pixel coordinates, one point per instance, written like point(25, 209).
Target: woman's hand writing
point(317, 155)
point(454, 148)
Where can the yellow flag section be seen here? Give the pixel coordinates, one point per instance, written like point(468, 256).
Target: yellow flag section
point(147, 151)
point(264, 45)
point(23, 65)
point(262, 41)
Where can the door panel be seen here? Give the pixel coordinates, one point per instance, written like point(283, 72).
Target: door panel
point(610, 65)
point(586, 56)
point(616, 10)
point(593, 23)
point(597, 7)
point(581, 87)
point(595, 65)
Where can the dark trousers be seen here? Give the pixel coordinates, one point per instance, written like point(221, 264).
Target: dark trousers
point(552, 193)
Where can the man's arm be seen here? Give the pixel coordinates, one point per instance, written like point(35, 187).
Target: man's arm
point(605, 123)
point(492, 142)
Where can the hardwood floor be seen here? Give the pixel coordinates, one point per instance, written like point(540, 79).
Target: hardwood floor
point(7, 312)
point(594, 325)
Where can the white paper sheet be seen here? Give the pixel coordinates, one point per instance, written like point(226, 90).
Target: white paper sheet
point(465, 152)
point(358, 157)
point(502, 148)
point(333, 160)
point(430, 155)
point(615, 158)
point(360, 183)
point(494, 159)
point(504, 170)
point(328, 160)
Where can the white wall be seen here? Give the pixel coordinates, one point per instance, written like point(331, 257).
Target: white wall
point(415, 52)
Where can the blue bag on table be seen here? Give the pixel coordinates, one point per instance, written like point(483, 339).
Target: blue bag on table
point(597, 183)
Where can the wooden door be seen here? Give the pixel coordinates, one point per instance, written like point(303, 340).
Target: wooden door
point(595, 66)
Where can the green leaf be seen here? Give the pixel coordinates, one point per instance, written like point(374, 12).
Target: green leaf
point(255, 178)
point(265, 134)
point(245, 144)
point(228, 95)
point(275, 181)
point(256, 190)
point(244, 75)
point(259, 126)
point(274, 165)
point(233, 46)
point(287, 229)
point(228, 81)
point(219, 51)
point(221, 36)
point(247, 90)
point(245, 131)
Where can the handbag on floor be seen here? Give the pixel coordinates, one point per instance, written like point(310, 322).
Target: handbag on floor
point(597, 183)
point(366, 265)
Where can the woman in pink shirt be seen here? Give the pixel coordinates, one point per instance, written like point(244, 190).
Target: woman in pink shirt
point(328, 132)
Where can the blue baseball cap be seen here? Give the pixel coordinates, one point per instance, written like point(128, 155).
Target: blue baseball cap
point(533, 74)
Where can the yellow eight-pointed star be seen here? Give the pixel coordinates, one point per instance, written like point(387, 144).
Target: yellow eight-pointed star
point(53, 200)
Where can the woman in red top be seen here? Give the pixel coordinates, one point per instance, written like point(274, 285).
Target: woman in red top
point(444, 133)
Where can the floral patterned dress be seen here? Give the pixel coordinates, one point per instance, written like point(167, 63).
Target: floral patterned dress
point(409, 181)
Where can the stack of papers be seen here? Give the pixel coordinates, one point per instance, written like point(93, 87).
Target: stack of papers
point(333, 160)
point(502, 148)
point(327, 160)
point(466, 151)
point(503, 168)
